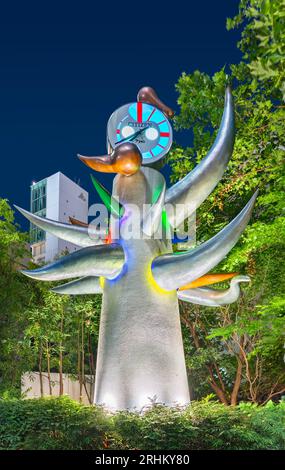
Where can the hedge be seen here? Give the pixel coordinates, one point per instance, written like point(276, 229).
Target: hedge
point(61, 423)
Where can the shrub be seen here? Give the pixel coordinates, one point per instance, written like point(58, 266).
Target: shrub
point(61, 423)
point(51, 423)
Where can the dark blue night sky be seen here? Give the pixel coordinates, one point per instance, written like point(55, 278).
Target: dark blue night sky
point(66, 66)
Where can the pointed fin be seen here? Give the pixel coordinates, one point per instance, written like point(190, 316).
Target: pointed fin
point(174, 270)
point(103, 260)
point(195, 187)
point(84, 285)
point(80, 236)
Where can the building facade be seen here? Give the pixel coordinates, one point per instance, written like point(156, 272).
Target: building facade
point(56, 197)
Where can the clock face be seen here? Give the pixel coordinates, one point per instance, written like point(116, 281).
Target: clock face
point(145, 126)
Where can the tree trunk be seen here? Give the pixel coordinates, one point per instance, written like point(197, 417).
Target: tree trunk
point(221, 394)
point(82, 358)
point(48, 368)
point(91, 356)
point(91, 366)
point(40, 370)
point(237, 383)
point(79, 358)
point(61, 358)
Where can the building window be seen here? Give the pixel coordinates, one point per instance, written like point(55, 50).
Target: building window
point(38, 206)
point(36, 234)
point(38, 197)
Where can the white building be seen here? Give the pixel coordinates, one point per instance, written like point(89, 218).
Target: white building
point(56, 197)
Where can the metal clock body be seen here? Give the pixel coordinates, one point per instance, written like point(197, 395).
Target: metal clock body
point(144, 125)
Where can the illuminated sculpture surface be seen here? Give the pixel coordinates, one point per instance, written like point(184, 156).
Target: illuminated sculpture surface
point(140, 351)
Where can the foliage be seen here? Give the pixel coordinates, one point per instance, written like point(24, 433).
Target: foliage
point(63, 334)
point(238, 351)
point(39, 330)
point(50, 424)
point(263, 41)
point(60, 423)
point(15, 295)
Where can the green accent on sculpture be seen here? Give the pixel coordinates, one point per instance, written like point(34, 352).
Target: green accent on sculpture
point(164, 219)
point(156, 194)
point(110, 202)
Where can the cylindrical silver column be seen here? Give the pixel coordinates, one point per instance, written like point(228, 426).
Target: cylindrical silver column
point(140, 352)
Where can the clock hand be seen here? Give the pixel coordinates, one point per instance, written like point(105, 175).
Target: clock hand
point(130, 138)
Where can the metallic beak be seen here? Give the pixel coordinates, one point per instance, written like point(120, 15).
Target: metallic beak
point(148, 95)
point(126, 159)
point(102, 163)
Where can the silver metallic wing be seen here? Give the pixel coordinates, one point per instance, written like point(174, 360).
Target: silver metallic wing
point(175, 270)
point(195, 187)
point(213, 297)
point(103, 260)
point(81, 236)
point(84, 285)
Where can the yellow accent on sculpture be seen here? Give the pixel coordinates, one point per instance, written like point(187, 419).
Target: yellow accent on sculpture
point(150, 279)
point(102, 282)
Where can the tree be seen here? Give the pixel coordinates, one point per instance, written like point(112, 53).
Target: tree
point(16, 293)
point(238, 350)
point(263, 42)
point(63, 333)
point(39, 330)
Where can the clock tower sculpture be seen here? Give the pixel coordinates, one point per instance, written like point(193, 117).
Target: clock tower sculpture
point(140, 352)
